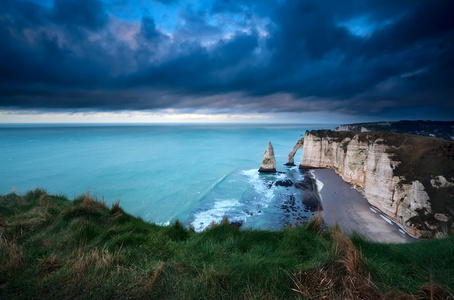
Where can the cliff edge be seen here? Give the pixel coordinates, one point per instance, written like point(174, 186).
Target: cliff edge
point(409, 178)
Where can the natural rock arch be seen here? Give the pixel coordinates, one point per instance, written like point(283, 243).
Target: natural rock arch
point(291, 155)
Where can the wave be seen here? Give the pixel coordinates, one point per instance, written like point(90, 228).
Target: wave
point(258, 193)
point(386, 219)
point(252, 195)
point(163, 223)
point(318, 183)
point(213, 186)
point(260, 186)
point(203, 219)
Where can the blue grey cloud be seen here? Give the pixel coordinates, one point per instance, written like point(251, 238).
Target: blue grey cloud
point(79, 55)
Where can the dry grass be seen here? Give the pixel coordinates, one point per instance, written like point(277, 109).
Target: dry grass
point(44, 200)
point(344, 277)
point(154, 276)
point(341, 278)
point(3, 224)
point(432, 291)
point(87, 199)
point(10, 255)
point(39, 191)
point(85, 250)
point(49, 264)
point(90, 201)
point(116, 209)
point(97, 262)
point(428, 291)
point(316, 223)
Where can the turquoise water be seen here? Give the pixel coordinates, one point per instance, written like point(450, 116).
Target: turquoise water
point(194, 173)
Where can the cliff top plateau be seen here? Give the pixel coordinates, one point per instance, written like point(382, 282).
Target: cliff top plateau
point(439, 129)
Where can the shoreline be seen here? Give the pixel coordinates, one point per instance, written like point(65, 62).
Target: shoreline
point(348, 208)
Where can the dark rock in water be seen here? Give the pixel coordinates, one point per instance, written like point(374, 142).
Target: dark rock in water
point(306, 184)
point(237, 224)
point(286, 183)
point(312, 203)
point(269, 184)
point(289, 164)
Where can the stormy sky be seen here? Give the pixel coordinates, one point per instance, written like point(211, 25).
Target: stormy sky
point(344, 60)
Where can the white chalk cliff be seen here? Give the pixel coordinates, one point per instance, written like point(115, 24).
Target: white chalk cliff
point(269, 162)
point(367, 163)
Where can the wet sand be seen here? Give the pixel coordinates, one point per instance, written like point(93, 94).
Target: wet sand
point(347, 207)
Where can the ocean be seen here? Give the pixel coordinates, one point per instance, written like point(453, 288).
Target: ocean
point(193, 173)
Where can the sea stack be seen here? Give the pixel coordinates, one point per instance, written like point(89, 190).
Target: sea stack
point(268, 163)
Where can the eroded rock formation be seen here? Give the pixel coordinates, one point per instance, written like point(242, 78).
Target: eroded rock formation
point(291, 155)
point(377, 163)
point(269, 162)
point(440, 182)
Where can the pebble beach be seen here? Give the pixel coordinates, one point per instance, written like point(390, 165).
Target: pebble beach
point(348, 208)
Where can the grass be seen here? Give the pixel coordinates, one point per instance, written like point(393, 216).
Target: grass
point(51, 247)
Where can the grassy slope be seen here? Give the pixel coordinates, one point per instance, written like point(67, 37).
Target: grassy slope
point(54, 248)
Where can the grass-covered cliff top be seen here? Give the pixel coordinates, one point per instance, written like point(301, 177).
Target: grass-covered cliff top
point(51, 247)
point(439, 129)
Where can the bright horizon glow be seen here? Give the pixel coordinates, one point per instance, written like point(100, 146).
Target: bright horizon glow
point(125, 117)
point(174, 116)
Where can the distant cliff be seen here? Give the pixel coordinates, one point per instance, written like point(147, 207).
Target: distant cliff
point(439, 129)
point(409, 178)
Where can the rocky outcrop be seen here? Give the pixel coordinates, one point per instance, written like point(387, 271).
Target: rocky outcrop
point(269, 162)
point(440, 182)
point(370, 161)
point(291, 155)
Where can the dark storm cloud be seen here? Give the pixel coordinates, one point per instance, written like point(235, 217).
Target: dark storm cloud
point(88, 13)
point(357, 57)
point(195, 25)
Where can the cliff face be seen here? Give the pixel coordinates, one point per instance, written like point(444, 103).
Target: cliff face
point(382, 164)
